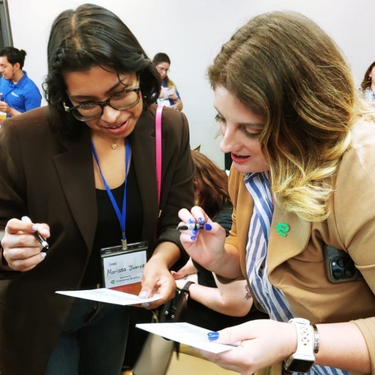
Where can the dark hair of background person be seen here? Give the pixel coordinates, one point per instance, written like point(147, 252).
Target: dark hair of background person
point(162, 57)
point(367, 79)
point(77, 45)
point(211, 183)
point(14, 55)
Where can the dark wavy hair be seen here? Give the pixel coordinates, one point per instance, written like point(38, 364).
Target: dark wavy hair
point(14, 55)
point(211, 183)
point(92, 36)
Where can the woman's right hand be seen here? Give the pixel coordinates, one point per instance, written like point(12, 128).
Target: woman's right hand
point(206, 246)
point(259, 344)
point(21, 249)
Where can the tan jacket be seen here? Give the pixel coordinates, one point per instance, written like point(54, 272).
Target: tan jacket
point(296, 263)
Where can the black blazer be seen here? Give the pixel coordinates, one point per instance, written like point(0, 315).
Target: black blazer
point(51, 179)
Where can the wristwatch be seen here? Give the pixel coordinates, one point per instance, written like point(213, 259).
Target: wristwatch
point(303, 359)
point(186, 287)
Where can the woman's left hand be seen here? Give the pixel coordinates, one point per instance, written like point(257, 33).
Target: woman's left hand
point(157, 279)
point(262, 343)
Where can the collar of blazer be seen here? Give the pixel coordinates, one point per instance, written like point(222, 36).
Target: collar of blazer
point(74, 169)
point(281, 248)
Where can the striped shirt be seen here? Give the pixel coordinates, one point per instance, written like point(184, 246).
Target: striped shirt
point(270, 298)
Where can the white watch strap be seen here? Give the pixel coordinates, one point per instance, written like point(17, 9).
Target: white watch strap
point(304, 336)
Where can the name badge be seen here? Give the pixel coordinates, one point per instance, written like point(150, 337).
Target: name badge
point(123, 268)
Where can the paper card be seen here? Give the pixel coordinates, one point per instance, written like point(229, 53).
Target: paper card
point(185, 333)
point(168, 92)
point(108, 296)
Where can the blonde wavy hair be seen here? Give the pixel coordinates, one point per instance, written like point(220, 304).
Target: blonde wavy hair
point(283, 66)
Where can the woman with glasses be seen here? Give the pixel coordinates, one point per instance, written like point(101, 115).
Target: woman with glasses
point(169, 95)
point(83, 170)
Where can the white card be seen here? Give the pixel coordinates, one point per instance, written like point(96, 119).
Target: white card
point(108, 296)
point(187, 334)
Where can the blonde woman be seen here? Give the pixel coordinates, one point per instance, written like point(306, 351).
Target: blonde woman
point(302, 186)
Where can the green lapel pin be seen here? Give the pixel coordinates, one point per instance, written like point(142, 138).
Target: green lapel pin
point(282, 229)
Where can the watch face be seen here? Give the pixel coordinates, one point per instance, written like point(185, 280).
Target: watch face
point(298, 365)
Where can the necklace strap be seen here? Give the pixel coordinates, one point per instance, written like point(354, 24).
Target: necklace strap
point(121, 215)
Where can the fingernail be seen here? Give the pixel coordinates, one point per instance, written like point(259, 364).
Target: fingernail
point(193, 238)
point(146, 304)
point(200, 221)
point(43, 255)
point(44, 232)
point(143, 294)
point(191, 221)
point(194, 231)
point(207, 226)
point(212, 336)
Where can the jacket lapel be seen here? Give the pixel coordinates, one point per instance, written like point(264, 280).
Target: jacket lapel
point(75, 170)
point(294, 242)
point(142, 142)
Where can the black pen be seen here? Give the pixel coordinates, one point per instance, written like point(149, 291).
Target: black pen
point(193, 226)
point(40, 239)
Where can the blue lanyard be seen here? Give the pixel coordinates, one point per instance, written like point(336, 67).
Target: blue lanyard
point(121, 216)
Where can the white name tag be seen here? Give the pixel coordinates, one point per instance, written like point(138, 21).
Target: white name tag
point(123, 269)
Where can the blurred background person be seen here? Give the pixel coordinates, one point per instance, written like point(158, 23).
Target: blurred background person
point(211, 304)
point(368, 84)
point(18, 92)
point(169, 95)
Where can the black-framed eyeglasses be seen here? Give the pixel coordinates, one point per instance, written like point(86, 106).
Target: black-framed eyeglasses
point(122, 100)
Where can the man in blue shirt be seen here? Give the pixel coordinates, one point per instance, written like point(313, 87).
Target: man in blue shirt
point(18, 92)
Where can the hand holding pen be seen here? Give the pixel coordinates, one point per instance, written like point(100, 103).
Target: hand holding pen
point(37, 235)
point(22, 249)
point(194, 223)
point(203, 239)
